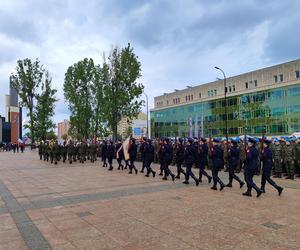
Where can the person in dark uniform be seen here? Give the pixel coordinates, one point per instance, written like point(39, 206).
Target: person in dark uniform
point(203, 162)
point(132, 155)
point(167, 156)
point(233, 161)
point(190, 155)
point(110, 154)
point(267, 160)
point(179, 151)
point(251, 166)
point(119, 154)
point(104, 153)
point(70, 151)
point(41, 147)
point(142, 147)
point(149, 157)
point(64, 151)
point(217, 157)
point(160, 150)
point(55, 152)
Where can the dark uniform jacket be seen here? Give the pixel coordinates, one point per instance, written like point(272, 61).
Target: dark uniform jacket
point(167, 154)
point(148, 153)
point(267, 158)
point(190, 154)
point(252, 158)
point(233, 156)
point(179, 153)
point(132, 151)
point(217, 157)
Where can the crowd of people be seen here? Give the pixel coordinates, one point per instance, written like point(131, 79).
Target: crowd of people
point(14, 147)
point(276, 156)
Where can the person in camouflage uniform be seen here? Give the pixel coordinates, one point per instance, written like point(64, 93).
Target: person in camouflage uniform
point(71, 151)
point(50, 150)
point(288, 159)
point(277, 159)
point(55, 153)
point(93, 152)
point(40, 148)
point(64, 151)
point(82, 151)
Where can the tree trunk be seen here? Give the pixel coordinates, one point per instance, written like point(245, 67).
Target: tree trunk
point(31, 127)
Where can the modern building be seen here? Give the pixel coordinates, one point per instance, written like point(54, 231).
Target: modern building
point(11, 126)
point(262, 101)
point(137, 125)
point(63, 128)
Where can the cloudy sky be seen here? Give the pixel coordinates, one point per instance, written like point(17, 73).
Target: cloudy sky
point(178, 41)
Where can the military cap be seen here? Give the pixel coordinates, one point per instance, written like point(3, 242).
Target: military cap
point(267, 141)
point(166, 139)
point(203, 139)
point(180, 140)
point(190, 140)
point(217, 140)
point(252, 140)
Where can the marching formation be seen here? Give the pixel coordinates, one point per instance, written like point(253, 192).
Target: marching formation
point(252, 155)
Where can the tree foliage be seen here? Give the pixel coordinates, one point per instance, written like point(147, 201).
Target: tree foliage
point(27, 79)
point(44, 109)
point(121, 89)
point(77, 90)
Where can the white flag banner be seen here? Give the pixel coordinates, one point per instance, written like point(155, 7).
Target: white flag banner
point(126, 144)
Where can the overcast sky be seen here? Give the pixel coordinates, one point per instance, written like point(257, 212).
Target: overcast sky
point(178, 41)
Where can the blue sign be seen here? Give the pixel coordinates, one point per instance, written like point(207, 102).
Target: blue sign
point(137, 131)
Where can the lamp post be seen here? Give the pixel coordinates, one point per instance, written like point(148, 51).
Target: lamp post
point(225, 98)
point(147, 110)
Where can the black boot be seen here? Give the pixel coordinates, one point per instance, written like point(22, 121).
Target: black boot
point(209, 179)
point(153, 173)
point(222, 187)
point(242, 184)
point(279, 189)
point(186, 182)
point(247, 194)
point(177, 176)
point(229, 185)
point(214, 187)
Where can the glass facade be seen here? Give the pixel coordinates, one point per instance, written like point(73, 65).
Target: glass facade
point(273, 112)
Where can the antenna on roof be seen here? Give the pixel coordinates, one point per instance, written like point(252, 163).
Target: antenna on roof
point(189, 87)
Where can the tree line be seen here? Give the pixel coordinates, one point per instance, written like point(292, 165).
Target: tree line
point(98, 96)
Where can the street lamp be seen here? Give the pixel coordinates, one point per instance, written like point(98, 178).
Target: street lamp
point(225, 97)
point(147, 108)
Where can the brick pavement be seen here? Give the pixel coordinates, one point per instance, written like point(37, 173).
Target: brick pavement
point(84, 206)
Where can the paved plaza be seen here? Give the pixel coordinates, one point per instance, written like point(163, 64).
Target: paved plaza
point(84, 206)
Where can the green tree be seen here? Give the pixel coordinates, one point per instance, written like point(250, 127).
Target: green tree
point(50, 135)
point(98, 126)
point(77, 90)
point(26, 81)
point(44, 109)
point(120, 87)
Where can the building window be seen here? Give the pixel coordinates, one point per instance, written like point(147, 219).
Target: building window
point(255, 83)
point(229, 88)
point(192, 97)
point(281, 77)
point(275, 79)
point(178, 100)
point(208, 93)
point(233, 87)
point(246, 84)
point(186, 98)
point(199, 95)
point(297, 74)
point(215, 92)
point(167, 102)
